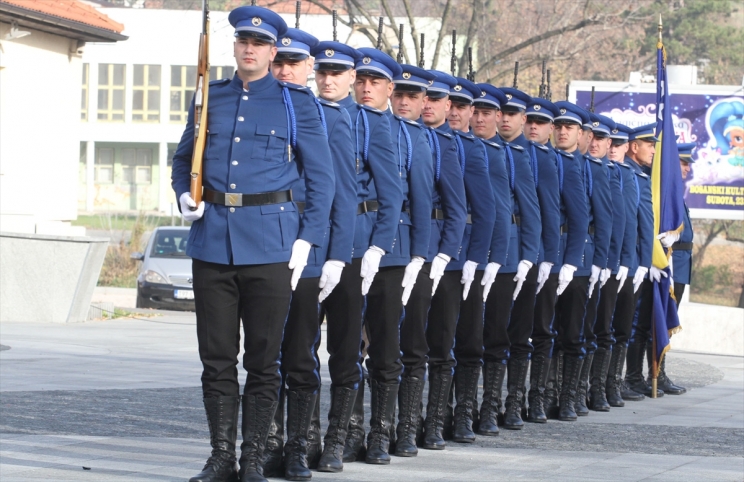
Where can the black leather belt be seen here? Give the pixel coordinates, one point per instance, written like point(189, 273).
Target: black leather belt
point(300, 206)
point(516, 220)
point(438, 214)
point(238, 199)
point(367, 207)
point(564, 228)
point(591, 229)
point(682, 246)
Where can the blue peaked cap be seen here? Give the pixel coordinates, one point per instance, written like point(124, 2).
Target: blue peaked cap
point(442, 84)
point(295, 45)
point(516, 100)
point(644, 133)
point(377, 63)
point(331, 55)
point(570, 113)
point(620, 133)
point(538, 107)
point(490, 97)
point(602, 126)
point(464, 92)
point(685, 151)
point(257, 22)
point(413, 79)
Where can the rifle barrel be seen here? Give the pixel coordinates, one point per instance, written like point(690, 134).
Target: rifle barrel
point(516, 74)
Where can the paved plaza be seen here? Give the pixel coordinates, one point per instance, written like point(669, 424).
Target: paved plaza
point(120, 400)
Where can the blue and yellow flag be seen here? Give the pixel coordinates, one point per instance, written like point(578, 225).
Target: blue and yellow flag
point(667, 190)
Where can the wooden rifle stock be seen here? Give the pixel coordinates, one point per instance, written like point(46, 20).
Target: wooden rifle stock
point(201, 98)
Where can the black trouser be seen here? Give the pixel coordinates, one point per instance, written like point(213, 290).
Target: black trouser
point(642, 322)
point(522, 318)
point(259, 295)
point(343, 311)
point(469, 332)
point(679, 291)
point(442, 322)
point(570, 311)
point(590, 319)
point(383, 316)
point(496, 320)
point(413, 344)
point(300, 366)
point(543, 331)
point(605, 311)
point(625, 308)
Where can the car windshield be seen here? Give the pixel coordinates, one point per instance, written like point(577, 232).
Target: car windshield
point(169, 244)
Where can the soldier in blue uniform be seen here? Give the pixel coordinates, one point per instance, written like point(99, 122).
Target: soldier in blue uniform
point(598, 329)
point(545, 174)
point(571, 306)
point(574, 222)
point(447, 220)
point(473, 257)
point(523, 225)
point(379, 201)
point(246, 231)
point(325, 264)
point(445, 303)
point(641, 148)
point(400, 267)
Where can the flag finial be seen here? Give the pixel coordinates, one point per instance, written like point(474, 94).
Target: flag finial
point(659, 43)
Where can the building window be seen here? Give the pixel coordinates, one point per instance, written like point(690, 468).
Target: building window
point(84, 97)
point(104, 165)
point(146, 93)
point(183, 83)
point(136, 166)
point(111, 92)
point(219, 73)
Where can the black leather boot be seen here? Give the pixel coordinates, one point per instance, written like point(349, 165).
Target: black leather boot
point(613, 385)
point(439, 389)
point(490, 409)
point(466, 391)
point(257, 415)
point(663, 382)
point(598, 380)
point(222, 418)
point(354, 448)
point(300, 406)
point(539, 366)
point(384, 398)
point(516, 378)
point(314, 448)
point(342, 404)
point(634, 375)
point(409, 411)
point(553, 385)
point(582, 389)
point(449, 412)
point(571, 372)
point(273, 459)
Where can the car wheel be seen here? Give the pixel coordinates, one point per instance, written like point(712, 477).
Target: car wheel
point(141, 301)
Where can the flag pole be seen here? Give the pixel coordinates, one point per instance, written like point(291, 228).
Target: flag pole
point(654, 357)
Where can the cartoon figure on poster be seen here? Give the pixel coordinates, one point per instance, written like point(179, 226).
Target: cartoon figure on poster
point(723, 155)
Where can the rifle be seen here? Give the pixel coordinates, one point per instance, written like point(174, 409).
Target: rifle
point(298, 7)
point(335, 23)
point(591, 104)
point(567, 91)
point(541, 92)
point(201, 96)
point(548, 93)
point(453, 60)
point(471, 73)
point(379, 35)
point(421, 54)
point(400, 42)
point(253, 3)
point(516, 73)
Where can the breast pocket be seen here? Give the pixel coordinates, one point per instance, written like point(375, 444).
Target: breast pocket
point(281, 225)
point(212, 148)
point(270, 143)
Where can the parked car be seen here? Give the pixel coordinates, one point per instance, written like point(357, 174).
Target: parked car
point(164, 280)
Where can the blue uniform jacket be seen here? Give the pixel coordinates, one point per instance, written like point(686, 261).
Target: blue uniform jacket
point(448, 194)
point(645, 245)
point(597, 187)
point(339, 244)
point(682, 259)
point(574, 210)
point(416, 174)
point(524, 236)
point(548, 196)
point(476, 239)
point(618, 215)
point(504, 198)
point(377, 178)
point(251, 149)
point(631, 199)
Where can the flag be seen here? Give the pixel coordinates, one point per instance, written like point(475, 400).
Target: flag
point(667, 192)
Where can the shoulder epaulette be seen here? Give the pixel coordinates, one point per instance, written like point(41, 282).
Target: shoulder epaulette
point(641, 174)
point(539, 146)
point(611, 164)
point(564, 153)
point(495, 145)
point(328, 103)
point(622, 164)
point(411, 123)
point(594, 159)
point(292, 86)
point(446, 135)
point(516, 147)
point(219, 82)
point(371, 109)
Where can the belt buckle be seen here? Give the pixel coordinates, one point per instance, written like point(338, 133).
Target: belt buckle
point(233, 199)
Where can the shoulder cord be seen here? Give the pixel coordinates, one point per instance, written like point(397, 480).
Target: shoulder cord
point(511, 165)
point(291, 120)
point(322, 115)
point(485, 153)
point(365, 126)
point(588, 177)
point(559, 165)
point(620, 175)
point(460, 152)
point(436, 151)
point(533, 162)
point(409, 148)
point(638, 191)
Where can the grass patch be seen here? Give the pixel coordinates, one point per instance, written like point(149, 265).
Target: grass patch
point(119, 269)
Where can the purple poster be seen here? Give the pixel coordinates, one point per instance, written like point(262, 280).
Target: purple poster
point(714, 122)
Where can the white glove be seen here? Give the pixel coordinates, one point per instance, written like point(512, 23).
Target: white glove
point(187, 202)
point(638, 278)
point(370, 267)
point(542, 274)
point(438, 264)
point(330, 276)
point(668, 239)
point(468, 275)
point(489, 276)
point(604, 276)
point(565, 276)
point(409, 278)
point(298, 260)
point(522, 268)
point(593, 278)
point(656, 274)
point(622, 275)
